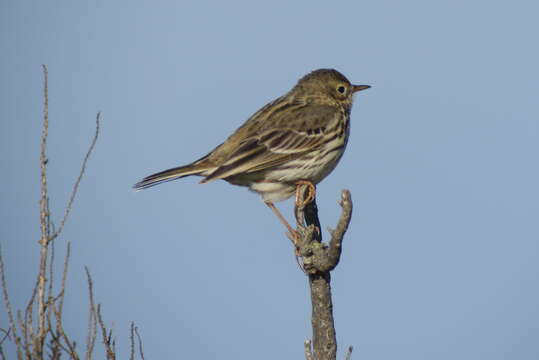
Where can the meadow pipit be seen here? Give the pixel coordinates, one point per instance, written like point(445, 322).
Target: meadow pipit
point(296, 139)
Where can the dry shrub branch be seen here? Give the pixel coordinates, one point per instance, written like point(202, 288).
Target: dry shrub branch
point(38, 332)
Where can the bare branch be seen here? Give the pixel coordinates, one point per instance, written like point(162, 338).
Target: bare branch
point(107, 338)
point(6, 336)
point(318, 260)
point(44, 336)
point(53, 347)
point(57, 339)
point(337, 235)
point(133, 332)
point(39, 339)
point(43, 159)
point(79, 178)
point(27, 330)
point(64, 277)
point(92, 318)
point(141, 352)
point(132, 340)
point(51, 270)
point(22, 326)
point(71, 346)
point(7, 304)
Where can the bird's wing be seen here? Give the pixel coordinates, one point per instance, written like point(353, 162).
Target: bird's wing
point(282, 137)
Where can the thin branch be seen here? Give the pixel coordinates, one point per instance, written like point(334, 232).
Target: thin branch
point(6, 336)
point(58, 311)
point(141, 352)
point(107, 338)
point(132, 340)
point(54, 345)
point(43, 159)
point(79, 178)
point(92, 320)
point(57, 339)
point(22, 326)
point(51, 263)
point(50, 298)
point(55, 349)
point(27, 330)
point(7, 304)
point(64, 277)
point(58, 344)
point(39, 339)
point(92, 334)
point(337, 235)
point(71, 346)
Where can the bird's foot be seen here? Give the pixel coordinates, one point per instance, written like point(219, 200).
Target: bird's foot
point(311, 193)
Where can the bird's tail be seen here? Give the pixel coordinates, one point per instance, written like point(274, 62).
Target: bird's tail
point(170, 174)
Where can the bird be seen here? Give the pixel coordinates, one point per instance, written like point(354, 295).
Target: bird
point(295, 140)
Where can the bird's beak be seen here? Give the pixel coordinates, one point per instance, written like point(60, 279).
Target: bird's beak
point(356, 88)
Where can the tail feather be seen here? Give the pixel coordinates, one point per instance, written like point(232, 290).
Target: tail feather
point(169, 175)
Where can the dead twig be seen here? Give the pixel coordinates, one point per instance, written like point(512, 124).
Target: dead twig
point(7, 304)
point(44, 336)
point(39, 339)
point(108, 342)
point(79, 178)
point(141, 352)
point(133, 332)
point(132, 341)
point(92, 318)
point(6, 337)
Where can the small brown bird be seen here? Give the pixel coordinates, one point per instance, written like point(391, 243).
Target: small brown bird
point(296, 139)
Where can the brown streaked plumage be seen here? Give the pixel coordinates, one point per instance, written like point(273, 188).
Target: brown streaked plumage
point(300, 136)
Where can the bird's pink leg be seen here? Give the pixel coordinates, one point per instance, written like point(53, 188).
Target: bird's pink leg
point(293, 234)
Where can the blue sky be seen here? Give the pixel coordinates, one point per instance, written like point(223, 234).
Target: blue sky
point(441, 257)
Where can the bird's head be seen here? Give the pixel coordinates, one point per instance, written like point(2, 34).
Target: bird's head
point(327, 85)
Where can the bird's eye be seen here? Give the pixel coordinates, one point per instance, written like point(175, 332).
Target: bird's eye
point(341, 89)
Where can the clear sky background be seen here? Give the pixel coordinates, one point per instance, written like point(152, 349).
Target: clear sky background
point(441, 260)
